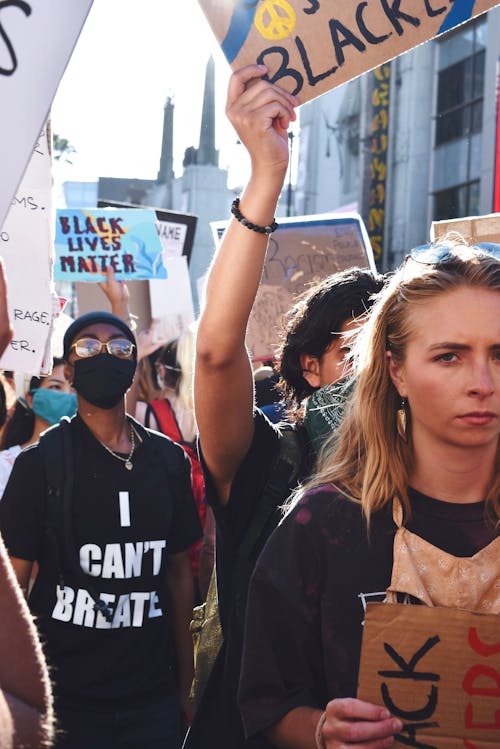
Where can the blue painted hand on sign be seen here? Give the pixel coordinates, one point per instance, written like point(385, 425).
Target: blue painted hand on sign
point(460, 12)
point(148, 264)
point(239, 28)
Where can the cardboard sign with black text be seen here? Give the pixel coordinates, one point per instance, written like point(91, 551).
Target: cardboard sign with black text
point(311, 46)
point(303, 251)
point(436, 669)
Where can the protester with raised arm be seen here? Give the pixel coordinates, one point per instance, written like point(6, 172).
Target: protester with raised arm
point(252, 465)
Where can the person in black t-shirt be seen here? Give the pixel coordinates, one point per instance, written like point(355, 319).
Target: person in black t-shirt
point(240, 447)
point(113, 596)
point(408, 487)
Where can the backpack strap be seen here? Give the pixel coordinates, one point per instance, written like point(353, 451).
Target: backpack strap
point(165, 417)
point(56, 449)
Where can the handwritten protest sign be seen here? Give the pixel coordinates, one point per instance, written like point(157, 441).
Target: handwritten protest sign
point(436, 669)
point(303, 251)
point(33, 55)
point(472, 228)
point(88, 241)
point(311, 46)
point(26, 240)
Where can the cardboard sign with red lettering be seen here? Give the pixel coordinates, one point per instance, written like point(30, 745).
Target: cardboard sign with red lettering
point(311, 46)
point(436, 669)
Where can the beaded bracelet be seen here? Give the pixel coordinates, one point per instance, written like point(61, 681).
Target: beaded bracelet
point(320, 741)
point(235, 210)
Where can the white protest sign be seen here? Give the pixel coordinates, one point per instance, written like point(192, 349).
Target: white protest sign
point(26, 240)
point(172, 237)
point(36, 42)
point(171, 299)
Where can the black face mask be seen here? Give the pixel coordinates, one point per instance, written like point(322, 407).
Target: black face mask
point(103, 380)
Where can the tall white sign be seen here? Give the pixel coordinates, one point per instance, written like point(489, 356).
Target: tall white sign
point(36, 42)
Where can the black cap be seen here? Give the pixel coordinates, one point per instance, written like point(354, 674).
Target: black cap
point(91, 318)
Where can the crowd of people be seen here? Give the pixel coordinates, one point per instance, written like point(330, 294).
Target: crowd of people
point(141, 477)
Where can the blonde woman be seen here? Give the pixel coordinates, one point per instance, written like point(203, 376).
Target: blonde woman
point(416, 458)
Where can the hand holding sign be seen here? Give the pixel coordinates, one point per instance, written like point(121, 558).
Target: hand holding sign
point(261, 113)
point(352, 722)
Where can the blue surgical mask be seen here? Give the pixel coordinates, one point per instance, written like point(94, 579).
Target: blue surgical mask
point(52, 405)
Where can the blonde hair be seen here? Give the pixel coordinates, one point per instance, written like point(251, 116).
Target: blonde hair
point(185, 359)
point(366, 459)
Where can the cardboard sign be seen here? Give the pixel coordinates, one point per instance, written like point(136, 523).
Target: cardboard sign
point(303, 251)
point(26, 241)
point(171, 300)
point(436, 669)
point(311, 46)
point(176, 230)
point(87, 241)
point(33, 55)
point(473, 228)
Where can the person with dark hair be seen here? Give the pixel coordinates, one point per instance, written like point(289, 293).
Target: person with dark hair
point(106, 509)
point(48, 399)
point(252, 465)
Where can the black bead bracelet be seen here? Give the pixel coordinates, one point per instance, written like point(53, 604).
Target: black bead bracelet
point(235, 210)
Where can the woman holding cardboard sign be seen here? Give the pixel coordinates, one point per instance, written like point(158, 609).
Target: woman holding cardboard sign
point(405, 506)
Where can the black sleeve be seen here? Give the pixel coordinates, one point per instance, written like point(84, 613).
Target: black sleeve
point(22, 509)
point(283, 626)
point(248, 483)
point(186, 526)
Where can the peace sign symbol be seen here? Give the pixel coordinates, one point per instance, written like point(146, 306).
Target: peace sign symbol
point(275, 19)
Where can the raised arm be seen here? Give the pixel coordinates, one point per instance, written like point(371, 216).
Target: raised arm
point(223, 385)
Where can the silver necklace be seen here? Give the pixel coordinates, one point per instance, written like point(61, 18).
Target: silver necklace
point(128, 460)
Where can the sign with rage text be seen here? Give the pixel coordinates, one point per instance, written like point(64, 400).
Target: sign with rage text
point(36, 42)
point(437, 670)
point(26, 241)
point(89, 241)
point(311, 46)
point(303, 251)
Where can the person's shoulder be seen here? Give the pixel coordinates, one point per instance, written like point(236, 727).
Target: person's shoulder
point(325, 502)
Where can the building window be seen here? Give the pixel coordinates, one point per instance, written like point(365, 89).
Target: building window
point(460, 99)
point(459, 121)
point(461, 200)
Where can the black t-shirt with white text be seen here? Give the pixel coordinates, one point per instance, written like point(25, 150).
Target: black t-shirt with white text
point(124, 525)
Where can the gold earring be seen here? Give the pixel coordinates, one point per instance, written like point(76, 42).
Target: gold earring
point(402, 420)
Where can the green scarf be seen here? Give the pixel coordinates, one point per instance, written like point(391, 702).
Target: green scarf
point(324, 411)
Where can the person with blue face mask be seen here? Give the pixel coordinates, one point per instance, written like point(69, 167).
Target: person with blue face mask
point(47, 401)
